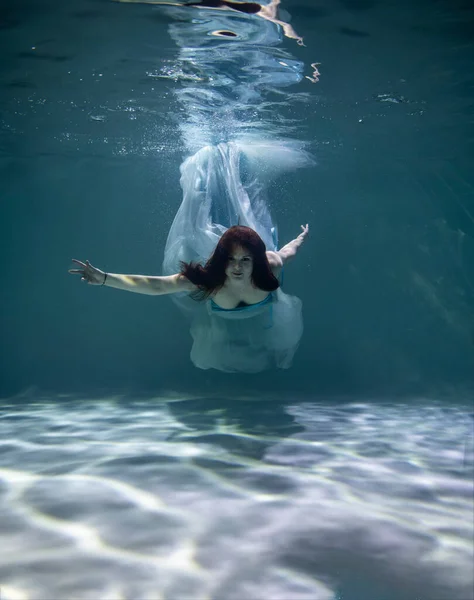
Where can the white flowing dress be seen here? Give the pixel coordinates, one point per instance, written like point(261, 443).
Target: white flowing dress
point(221, 189)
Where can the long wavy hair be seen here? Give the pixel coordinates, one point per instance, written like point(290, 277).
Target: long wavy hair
point(211, 277)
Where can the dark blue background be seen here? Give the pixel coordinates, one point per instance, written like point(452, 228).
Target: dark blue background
point(90, 155)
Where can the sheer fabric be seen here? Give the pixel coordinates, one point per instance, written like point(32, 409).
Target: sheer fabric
point(220, 189)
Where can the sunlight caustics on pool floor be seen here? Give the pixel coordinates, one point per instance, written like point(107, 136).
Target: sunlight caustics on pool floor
point(183, 497)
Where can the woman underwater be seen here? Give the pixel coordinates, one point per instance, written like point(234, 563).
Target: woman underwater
point(246, 323)
point(222, 265)
point(241, 320)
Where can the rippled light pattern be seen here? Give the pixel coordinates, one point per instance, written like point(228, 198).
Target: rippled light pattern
point(187, 498)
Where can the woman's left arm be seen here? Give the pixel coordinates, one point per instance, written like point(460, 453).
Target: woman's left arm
point(282, 256)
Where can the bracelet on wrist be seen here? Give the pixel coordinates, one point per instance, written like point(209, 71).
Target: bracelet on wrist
point(105, 279)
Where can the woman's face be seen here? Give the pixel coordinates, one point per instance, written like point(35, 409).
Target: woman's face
point(240, 265)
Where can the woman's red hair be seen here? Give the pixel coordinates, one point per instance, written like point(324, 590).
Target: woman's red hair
point(211, 276)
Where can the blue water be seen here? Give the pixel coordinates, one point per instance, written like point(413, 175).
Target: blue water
point(127, 473)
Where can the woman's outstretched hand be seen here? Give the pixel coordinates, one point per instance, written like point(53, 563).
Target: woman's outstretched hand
point(288, 252)
point(88, 273)
point(305, 231)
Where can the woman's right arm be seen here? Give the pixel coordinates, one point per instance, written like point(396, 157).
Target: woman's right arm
point(140, 284)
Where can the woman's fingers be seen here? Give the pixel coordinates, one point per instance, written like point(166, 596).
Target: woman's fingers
point(86, 271)
point(78, 262)
point(305, 230)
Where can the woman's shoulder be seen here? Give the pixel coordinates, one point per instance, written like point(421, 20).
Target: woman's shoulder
point(181, 283)
point(274, 259)
point(276, 264)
